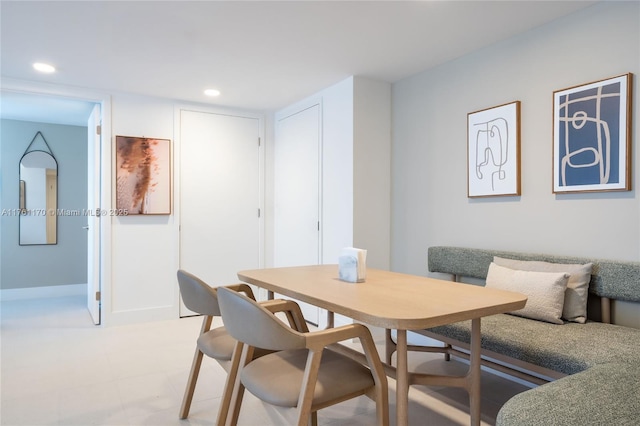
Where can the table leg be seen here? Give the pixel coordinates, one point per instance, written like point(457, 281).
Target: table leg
point(474, 373)
point(330, 319)
point(402, 380)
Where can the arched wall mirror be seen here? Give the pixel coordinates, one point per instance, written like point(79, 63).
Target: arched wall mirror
point(38, 196)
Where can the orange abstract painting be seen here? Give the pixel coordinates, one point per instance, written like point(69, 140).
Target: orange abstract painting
point(143, 175)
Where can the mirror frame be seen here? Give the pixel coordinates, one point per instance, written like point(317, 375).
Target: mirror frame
point(22, 197)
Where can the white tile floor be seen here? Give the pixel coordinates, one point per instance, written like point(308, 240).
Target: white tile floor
point(59, 369)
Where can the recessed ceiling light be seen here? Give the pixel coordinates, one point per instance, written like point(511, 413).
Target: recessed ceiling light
point(212, 92)
point(42, 67)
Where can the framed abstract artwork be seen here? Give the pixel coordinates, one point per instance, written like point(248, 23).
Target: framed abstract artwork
point(143, 175)
point(493, 151)
point(592, 136)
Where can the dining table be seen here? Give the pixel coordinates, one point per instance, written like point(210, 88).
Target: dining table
point(401, 302)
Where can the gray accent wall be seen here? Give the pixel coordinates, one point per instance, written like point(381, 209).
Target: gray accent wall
point(44, 265)
point(429, 152)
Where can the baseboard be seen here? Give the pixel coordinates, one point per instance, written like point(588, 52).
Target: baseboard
point(43, 292)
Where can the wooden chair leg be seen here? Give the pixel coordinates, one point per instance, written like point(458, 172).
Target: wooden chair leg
point(191, 384)
point(193, 374)
point(229, 387)
point(382, 405)
point(234, 390)
point(380, 392)
point(313, 419)
point(305, 401)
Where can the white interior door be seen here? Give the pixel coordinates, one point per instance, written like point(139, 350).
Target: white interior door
point(93, 219)
point(297, 193)
point(219, 196)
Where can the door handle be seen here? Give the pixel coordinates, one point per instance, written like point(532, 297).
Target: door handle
point(86, 227)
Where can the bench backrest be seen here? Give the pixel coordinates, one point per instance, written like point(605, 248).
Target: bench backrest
point(611, 279)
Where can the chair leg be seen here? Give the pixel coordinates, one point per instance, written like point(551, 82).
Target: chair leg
point(236, 404)
point(382, 405)
point(380, 395)
point(229, 387)
point(193, 374)
point(305, 401)
point(234, 390)
point(380, 392)
point(191, 384)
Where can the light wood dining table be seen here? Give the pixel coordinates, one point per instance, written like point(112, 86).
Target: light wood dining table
point(401, 302)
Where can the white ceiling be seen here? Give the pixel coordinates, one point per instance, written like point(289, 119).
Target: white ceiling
point(261, 55)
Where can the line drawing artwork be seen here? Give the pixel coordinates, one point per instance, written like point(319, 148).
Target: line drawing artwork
point(592, 136)
point(586, 138)
point(492, 149)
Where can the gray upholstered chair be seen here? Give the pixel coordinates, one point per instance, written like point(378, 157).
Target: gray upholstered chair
point(217, 344)
point(303, 373)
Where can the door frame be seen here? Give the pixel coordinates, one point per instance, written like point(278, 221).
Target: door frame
point(94, 188)
point(104, 99)
point(177, 194)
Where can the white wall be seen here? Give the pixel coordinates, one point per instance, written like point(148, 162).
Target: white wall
point(355, 171)
point(429, 199)
point(338, 159)
point(144, 256)
point(139, 253)
point(372, 170)
point(145, 248)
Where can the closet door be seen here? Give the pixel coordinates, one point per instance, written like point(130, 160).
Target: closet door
point(297, 192)
point(219, 196)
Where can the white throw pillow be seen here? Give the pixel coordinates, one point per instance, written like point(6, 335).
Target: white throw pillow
point(544, 291)
point(575, 297)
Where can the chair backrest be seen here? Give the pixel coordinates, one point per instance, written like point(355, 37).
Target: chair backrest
point(197, 295)
point(250, 323)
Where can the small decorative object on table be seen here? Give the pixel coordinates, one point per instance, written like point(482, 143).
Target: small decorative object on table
point(352, 265)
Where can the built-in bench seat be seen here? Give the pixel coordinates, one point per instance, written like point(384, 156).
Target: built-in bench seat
point(605, 394)
point(601, 361)
point(565, 349)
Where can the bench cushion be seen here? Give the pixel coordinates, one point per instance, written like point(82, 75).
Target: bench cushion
point(618, 280)
point(568, 348)
point(607, 394)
